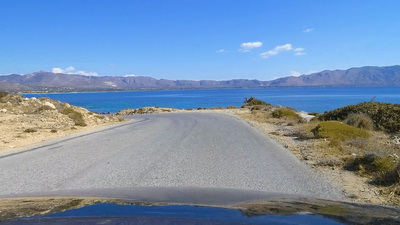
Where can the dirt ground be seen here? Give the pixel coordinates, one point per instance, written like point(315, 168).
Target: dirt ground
point(25, 121)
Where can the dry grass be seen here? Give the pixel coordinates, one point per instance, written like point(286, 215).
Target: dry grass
point(338, 132)
point(30, 130)
point(285, 113)
point(253, 101)
point(43, 108)
point(360, 120)
point(77, 117)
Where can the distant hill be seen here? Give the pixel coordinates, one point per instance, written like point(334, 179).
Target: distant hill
point(47, 81)
point(363, 76)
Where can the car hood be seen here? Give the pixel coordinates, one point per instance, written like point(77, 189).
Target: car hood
point(188, 205)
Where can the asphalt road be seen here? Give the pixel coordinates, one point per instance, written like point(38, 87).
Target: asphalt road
point(164, 150)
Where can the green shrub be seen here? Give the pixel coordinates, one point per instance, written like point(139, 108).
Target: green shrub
point(43, 108)
point(30, 130)
point(77, 117)
point(360, 120)
point(285, 113)
point(338, 132)
point(231, 107)
point(383, 168)
point(385, 116)
point(100, 117)
point(253, 101)
point(383, 165)
point(303, 134)
point(389, 178)
point(256, 107)
point(2, 94)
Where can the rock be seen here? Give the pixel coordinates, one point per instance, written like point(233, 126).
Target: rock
point(3, 110)
point(51, 105)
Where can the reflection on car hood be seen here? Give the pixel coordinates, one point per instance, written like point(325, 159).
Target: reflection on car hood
point(185, 206)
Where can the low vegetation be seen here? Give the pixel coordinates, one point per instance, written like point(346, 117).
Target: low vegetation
point(384, 170)
point(253, 102)
point(43, 108)
point(30, 130)
point(338, 132)
point(285, 112)
point(363, 138)
point(360, 120)
point(385, 116)
point(76, 116)
point(2, 94)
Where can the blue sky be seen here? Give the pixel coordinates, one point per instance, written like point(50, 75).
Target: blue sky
point(197, 39)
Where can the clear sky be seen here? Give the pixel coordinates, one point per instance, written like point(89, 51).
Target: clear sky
point(197, 39)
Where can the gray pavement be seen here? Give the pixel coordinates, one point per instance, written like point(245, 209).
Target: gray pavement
point(202, 150)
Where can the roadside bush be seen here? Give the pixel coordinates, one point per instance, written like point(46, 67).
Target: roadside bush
point(285, 113)
point(259, 116)
point(303, 134)
point(256, 107)
point(383, 165)
point(338, 132)
point(360, 120)
point(2, 94)
point(77, 117)
point(385, 116)
point(100, 117)
point(383, 168)
point(253, 101)
point(43, 108)
point(389, 178)
point(30, 130)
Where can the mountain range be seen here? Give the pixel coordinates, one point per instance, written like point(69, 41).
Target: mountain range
point(43, 81)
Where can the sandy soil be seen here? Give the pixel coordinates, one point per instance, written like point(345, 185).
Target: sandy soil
point(25, 121)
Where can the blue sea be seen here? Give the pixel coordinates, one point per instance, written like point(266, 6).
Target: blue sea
point(309, 99)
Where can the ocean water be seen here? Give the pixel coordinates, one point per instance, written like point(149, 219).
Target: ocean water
point(309, 99)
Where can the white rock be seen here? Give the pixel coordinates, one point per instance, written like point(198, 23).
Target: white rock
point(3, 110)
point(49, 104)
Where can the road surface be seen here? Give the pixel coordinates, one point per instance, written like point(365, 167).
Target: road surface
point(164, 150)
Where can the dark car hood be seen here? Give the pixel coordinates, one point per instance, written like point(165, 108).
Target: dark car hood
point(173, 205)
